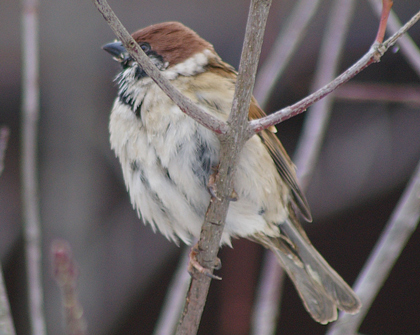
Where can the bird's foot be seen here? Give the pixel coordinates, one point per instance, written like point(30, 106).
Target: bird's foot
point(211, 186)
point(194, 264)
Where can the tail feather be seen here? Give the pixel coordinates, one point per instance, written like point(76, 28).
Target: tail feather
point(320, 287)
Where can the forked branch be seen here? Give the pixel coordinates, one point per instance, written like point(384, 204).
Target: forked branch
point(372, 56)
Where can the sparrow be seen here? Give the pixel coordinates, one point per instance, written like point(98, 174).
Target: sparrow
point(167, 159)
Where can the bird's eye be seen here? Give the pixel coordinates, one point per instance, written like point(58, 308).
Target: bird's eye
point(145, 46)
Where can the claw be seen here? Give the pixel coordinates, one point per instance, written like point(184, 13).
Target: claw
point(194, 264)
point(211, 185)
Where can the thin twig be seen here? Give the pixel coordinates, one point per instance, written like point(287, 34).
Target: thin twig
point(307, 155)
point(268, 297)
point(66, 274)
point(377, 92)
point(29, 175)
point(174, 301)
point(6, 321)
point(231, 145)
point(284, 47)
point(184, 103)
point(409, 49)
point(386, 9)
point(316, 121)
point(402, 224)
point(372, 56)
point(4, 138)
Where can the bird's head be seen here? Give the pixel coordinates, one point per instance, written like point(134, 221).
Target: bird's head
point(171, 46)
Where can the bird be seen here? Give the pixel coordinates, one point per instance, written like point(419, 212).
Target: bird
point(168, 160)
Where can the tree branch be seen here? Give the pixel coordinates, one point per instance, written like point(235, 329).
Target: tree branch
point(29, 160)
point(372, 56)
point(66, 274)
point(402, 224)
point(231, 146)
point(184, 103)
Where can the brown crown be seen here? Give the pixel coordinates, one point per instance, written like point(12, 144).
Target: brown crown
point(172, 40)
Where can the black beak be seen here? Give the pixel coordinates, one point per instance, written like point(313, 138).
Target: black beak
point(117, 50)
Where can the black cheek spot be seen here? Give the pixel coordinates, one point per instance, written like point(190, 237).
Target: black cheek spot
point(140, 73)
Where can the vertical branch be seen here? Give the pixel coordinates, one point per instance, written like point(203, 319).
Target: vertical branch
point(30, 114)
point(66, 274)
point(171, 311)
point(284, 47)
point(231, 145)
point(316, 122)
point(6, 321)
point(402, 224)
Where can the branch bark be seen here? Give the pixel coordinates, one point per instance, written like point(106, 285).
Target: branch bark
point(29, 160)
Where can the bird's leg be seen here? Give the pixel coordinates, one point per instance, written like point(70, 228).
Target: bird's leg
point(211, 186)
point(194, 264)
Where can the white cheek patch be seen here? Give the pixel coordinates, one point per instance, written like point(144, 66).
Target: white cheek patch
point(189, 67)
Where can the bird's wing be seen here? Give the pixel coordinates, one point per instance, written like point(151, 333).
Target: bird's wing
point(283, 163)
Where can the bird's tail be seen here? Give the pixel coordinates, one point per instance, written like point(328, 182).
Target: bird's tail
point(321, 289)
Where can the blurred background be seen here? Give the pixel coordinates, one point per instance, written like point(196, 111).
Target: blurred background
point(370, 151)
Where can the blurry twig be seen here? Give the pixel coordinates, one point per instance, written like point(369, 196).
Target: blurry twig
point(284, 47)
point(30, 114)
point(402, 224)
point(66, 273)
point(6, 321)
point(408, 47)
point(316, 122)
point(268, 296)
point(268, 299)
point(4, 138)
point(358, 91)
point(174, 301)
